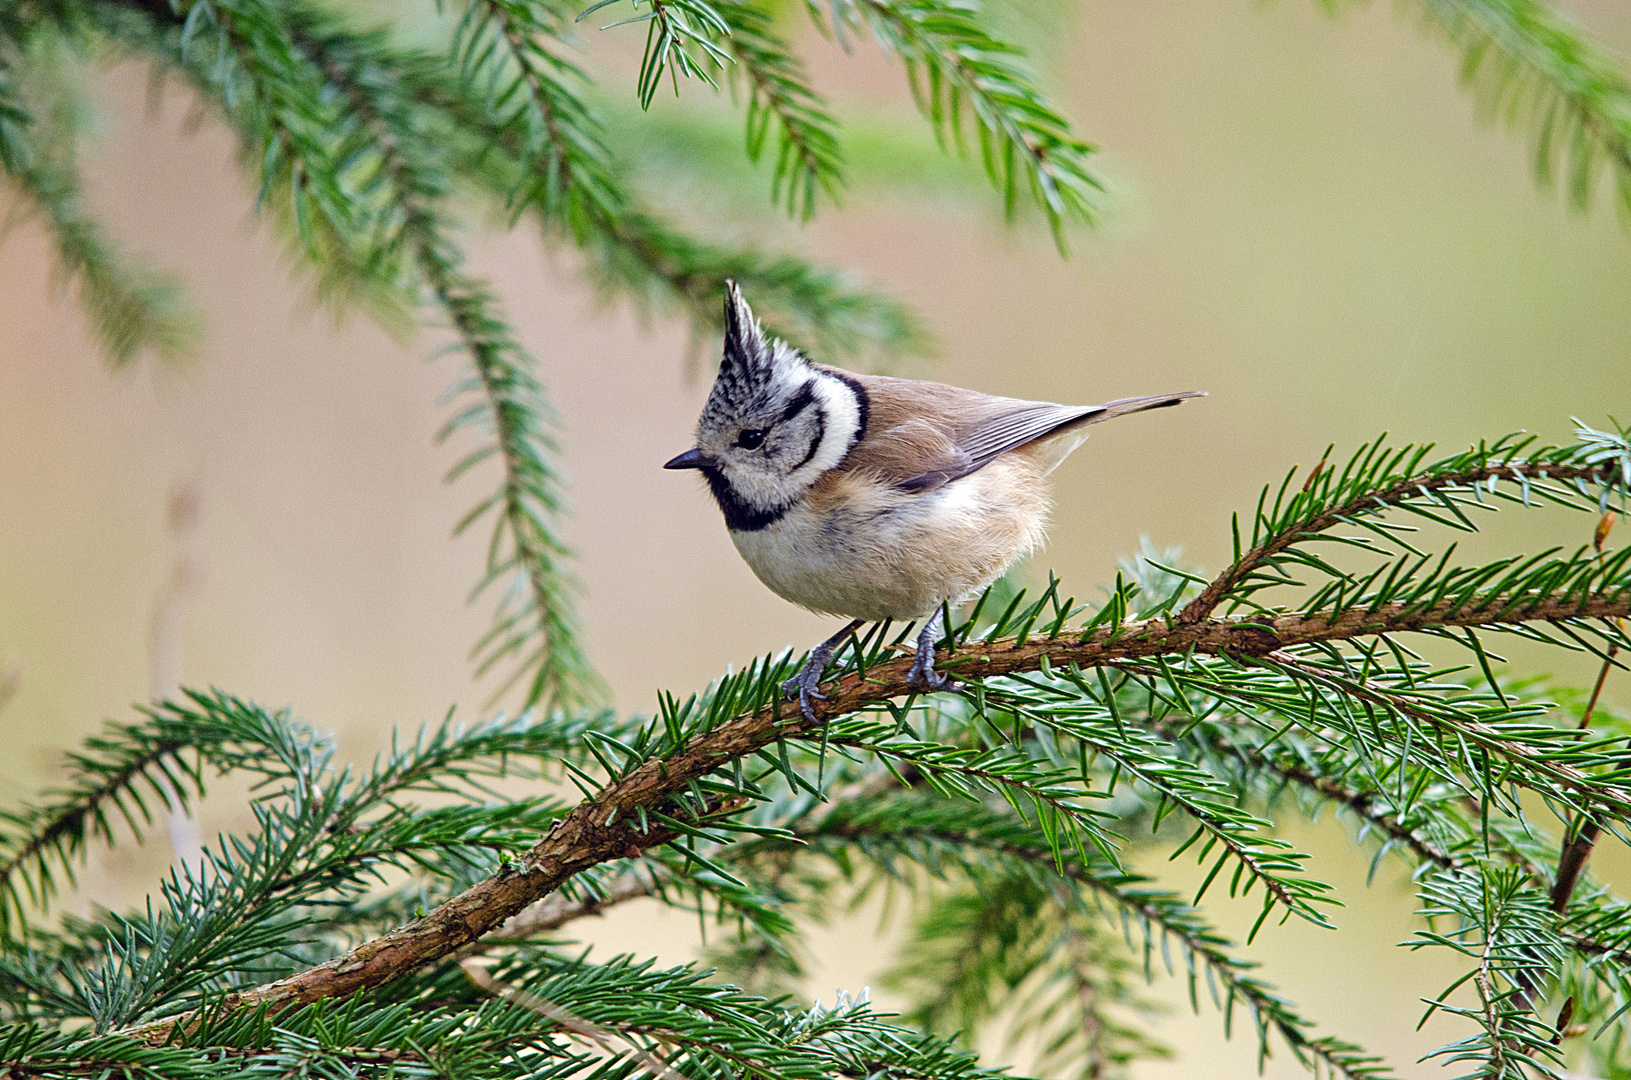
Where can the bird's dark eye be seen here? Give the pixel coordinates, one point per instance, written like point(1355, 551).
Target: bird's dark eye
point(751, 439)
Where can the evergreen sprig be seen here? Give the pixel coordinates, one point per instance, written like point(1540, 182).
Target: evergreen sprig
point(979, 948)
point(1532, 67)
point(954, 64)
point(809, 160)
point(1505, 928)
point(999, 852)
point(123, 772)
point(132, 307)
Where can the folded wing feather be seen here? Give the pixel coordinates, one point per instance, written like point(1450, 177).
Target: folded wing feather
point(924, 435)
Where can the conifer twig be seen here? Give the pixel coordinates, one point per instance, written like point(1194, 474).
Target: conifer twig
point(601, 1037)
point(1578, 847)
point(1532, 64)
point(605, 827)
point(1327, 516)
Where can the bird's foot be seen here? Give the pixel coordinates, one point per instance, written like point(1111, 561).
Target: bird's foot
point(803, 686)
point(923, 677)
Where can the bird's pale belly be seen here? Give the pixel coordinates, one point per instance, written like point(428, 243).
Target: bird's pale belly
point(874, 554)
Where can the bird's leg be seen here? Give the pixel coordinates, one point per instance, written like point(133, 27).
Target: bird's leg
point(923, 676)
point(803, 685)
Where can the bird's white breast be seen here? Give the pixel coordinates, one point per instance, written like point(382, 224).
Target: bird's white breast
point(864, 549)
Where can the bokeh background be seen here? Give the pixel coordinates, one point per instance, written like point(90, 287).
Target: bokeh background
point(1307, 220)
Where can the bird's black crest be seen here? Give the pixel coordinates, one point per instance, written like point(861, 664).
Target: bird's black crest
point(747, 354)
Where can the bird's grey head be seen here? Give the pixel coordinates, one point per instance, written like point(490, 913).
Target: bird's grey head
point(772, 425)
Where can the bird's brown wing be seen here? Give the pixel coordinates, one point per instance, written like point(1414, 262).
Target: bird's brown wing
point(923, 435)
point(912, 431)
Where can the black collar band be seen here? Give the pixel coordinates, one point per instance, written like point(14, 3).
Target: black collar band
point(740, 516)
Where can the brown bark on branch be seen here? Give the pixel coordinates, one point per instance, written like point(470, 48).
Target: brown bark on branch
point(604, 828)
point(1572, 862)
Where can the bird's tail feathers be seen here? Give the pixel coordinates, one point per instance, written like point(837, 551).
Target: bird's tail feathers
point(1140, 404)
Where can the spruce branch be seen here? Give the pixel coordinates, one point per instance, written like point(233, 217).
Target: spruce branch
point(996, 941)
point(16, 120)
point(247, 911)
point(1437, 826)
point(1220, 823)
point(1533, 67)
point(1369, 804)
point(809, 160)
point(1505, 927)
point(127, 767)
point(992, 847)
point(524, 101)
point(1377, 479)
point(1159, 910)
point(673, 29)
point(535, 627)
point(530, 97)
point(1434, 823)
point(132, 307)
point(606, 826)
point(241, 56)
point(965, 72)
point(1093, 984)
point(48, 839)
point(708, 1030)
point(954, 64)
point(1577, 848)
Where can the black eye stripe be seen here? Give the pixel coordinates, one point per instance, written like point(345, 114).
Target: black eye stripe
point(801, 401)
point(815, 443)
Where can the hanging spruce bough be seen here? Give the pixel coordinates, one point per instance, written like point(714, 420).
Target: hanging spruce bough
point(356, 931)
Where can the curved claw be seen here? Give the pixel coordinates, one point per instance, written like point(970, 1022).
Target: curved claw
point(804, 687)
point(804, 703)
point(923, 677)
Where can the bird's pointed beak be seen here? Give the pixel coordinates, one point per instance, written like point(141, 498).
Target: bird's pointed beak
point(691, 459)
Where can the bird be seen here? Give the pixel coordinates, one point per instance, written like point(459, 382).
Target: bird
point(871, 497)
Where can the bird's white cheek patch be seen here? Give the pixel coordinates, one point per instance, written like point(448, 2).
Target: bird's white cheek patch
point(841, 419)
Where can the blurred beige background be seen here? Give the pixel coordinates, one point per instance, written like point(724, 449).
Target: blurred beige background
point(1308, 223)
